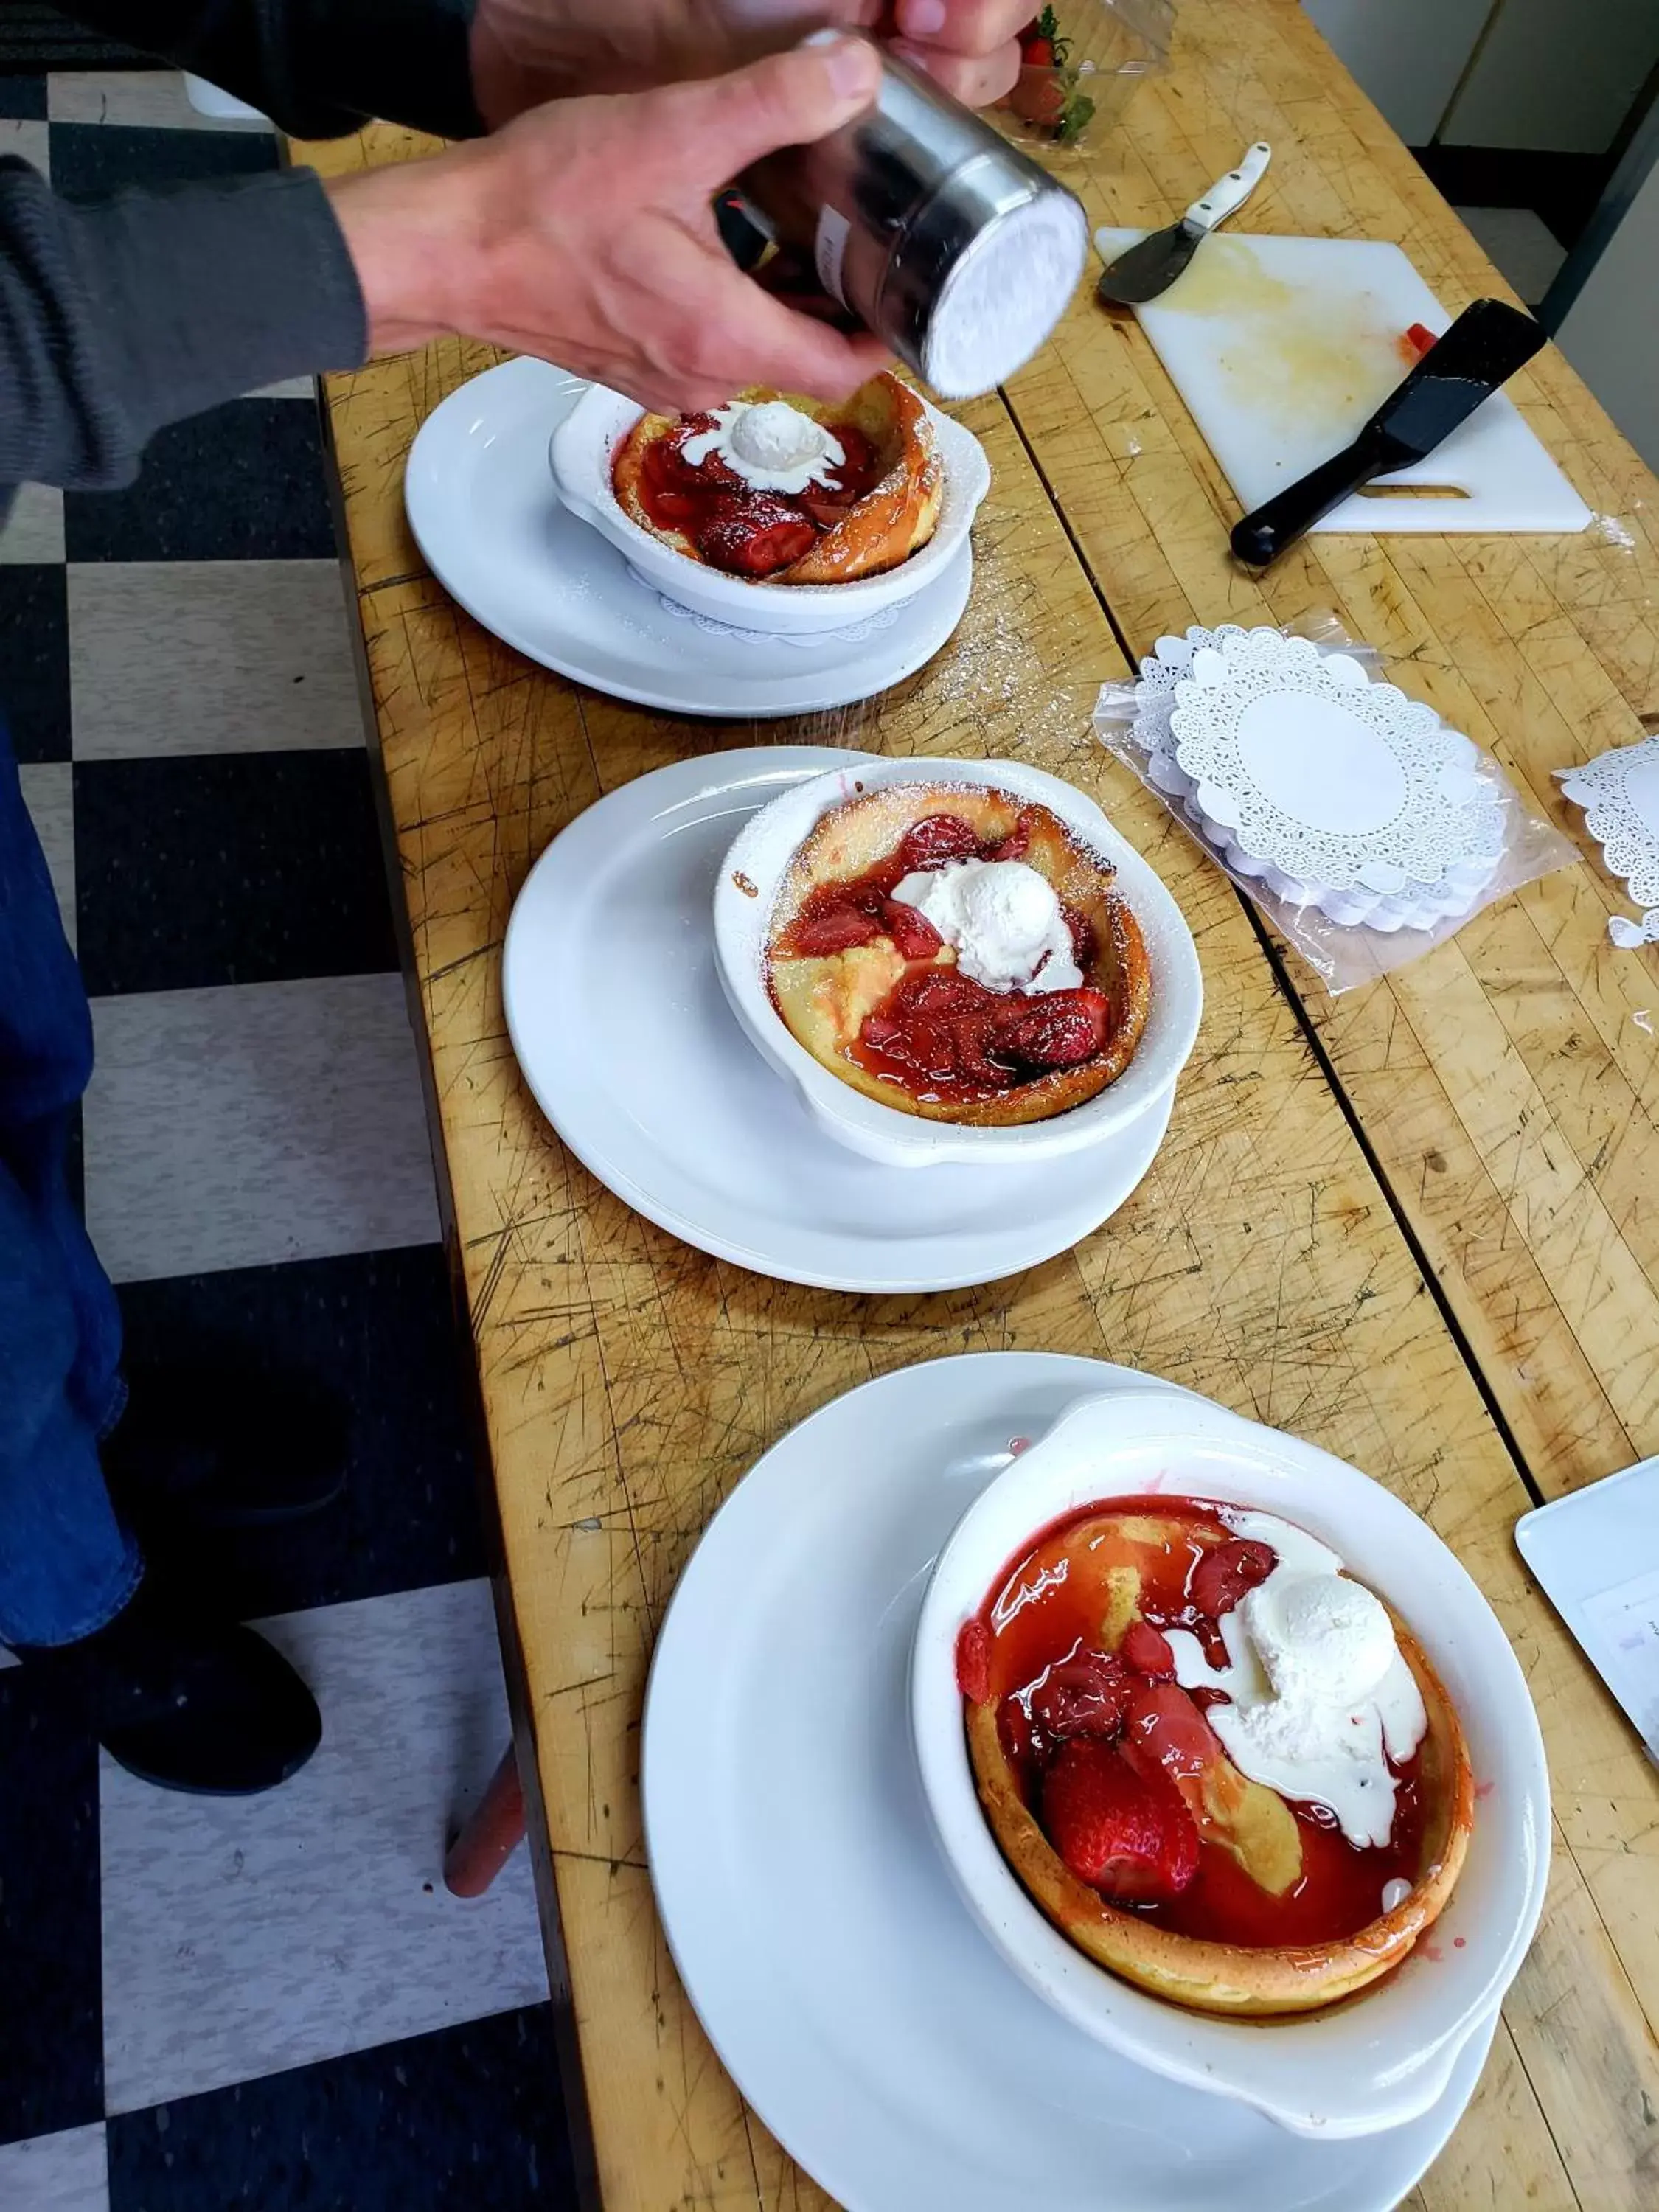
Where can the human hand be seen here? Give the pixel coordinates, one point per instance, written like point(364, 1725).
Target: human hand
point(583, 233)
point(526, 52)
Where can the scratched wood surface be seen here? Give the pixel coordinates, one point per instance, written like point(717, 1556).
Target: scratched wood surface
point(1509, 1084)
point(628, 1382)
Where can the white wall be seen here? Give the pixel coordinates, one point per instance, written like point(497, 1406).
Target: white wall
point(1554, 75)
point(1408, 54)
point(1611, 334)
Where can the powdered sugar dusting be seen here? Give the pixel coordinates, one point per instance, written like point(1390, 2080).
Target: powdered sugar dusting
point(1004, 295)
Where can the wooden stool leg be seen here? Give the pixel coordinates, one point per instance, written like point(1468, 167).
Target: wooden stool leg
point(490, 1835)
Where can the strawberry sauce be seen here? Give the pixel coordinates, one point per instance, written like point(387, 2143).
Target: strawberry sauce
point(938, 1033)
point(1069, 1647)
point(735, 527)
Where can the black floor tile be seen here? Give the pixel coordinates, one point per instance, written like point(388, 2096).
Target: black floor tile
point(23, 96)
point(378, 1329)
point(243, 482)
point(51, 2035)
point(91, 159)
point(34, 664)
point(233, 868)
point(467, 2117)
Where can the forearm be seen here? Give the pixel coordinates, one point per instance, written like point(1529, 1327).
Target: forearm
point(318, 68)
point(118, 317)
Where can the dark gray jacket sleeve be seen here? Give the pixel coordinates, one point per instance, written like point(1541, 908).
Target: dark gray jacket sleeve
point(120, 315)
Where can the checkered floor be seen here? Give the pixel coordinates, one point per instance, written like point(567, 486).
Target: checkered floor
point(271, 2003)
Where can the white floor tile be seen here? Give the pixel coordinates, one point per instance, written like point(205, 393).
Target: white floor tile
point(1526, 251)
point(30, 139)
point(155, 97)
point(49, 796)
point(243, 1936)
point(265, 1121)
point(33, 531)
point(67, 2173)
point(262, 646)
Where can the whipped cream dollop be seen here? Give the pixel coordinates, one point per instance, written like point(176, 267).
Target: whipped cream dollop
point(1004, 919)
point(1320, 1698)
point(770, 444)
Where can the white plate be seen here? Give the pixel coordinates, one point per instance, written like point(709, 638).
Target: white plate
point(484, 509)
point(818, 1934)
point(622, 1031)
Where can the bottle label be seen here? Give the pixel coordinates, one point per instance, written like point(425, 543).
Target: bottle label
point(829, 249)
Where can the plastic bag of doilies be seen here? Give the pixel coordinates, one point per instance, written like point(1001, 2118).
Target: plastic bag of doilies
point(1363, 826)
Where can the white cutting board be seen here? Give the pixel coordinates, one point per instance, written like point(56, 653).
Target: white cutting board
point(1283, 348)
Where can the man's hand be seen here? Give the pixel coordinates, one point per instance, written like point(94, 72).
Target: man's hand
point(526, 52)
point(583, 233)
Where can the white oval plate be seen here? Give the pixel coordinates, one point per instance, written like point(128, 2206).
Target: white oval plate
point(624, 1036)
point(819, 1936)
point(485, 513)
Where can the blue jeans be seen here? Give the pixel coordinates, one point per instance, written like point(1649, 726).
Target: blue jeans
point(67, 1566)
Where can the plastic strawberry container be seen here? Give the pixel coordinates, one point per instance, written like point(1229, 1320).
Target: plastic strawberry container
point(1081, 62)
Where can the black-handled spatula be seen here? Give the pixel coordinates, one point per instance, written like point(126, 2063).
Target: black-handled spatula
point(1481, 350)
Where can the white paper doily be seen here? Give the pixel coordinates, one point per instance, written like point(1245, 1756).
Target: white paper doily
point(807, 642)
point(1618, 791)
point(1627, 935)
point(1303, 763)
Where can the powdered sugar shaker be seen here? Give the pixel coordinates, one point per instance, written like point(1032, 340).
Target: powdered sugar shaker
point(952, 244)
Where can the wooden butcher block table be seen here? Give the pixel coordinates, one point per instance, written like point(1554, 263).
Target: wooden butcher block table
point(1418, 1224)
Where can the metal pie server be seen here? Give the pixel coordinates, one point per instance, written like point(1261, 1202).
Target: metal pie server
point(1150, 267)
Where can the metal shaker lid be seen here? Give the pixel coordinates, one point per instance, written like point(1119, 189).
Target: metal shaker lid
point(984, 272)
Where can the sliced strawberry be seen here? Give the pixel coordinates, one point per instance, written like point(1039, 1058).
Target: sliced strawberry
point(833, 929)
point(974, 1660)
point(1084, 1695)
point(1147, 1650)
point(1016, 845)
point(711, 473)
point(753, 537)
point(941, 993)
point(1125, 1833)
point(1163, 1727)
point(826, 508)
point(912, 933)
point(935, 840)
point(675, 507)
point(1060, 1031)
point(1082, 933)
point(1222, 1576)
point(1014, 1735)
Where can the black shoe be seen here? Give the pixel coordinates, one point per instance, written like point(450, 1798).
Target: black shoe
point(205, 1447)
point(204, 1706)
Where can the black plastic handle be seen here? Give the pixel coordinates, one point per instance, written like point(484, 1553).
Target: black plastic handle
point(1263, 536)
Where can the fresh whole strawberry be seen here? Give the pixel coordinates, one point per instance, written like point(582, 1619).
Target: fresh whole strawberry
point(1039, 96)
point(1125, 1833)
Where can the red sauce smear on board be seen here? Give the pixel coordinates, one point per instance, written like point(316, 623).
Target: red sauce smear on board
point(938, 1033)
point(735, 527)
point(1035, 1648)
